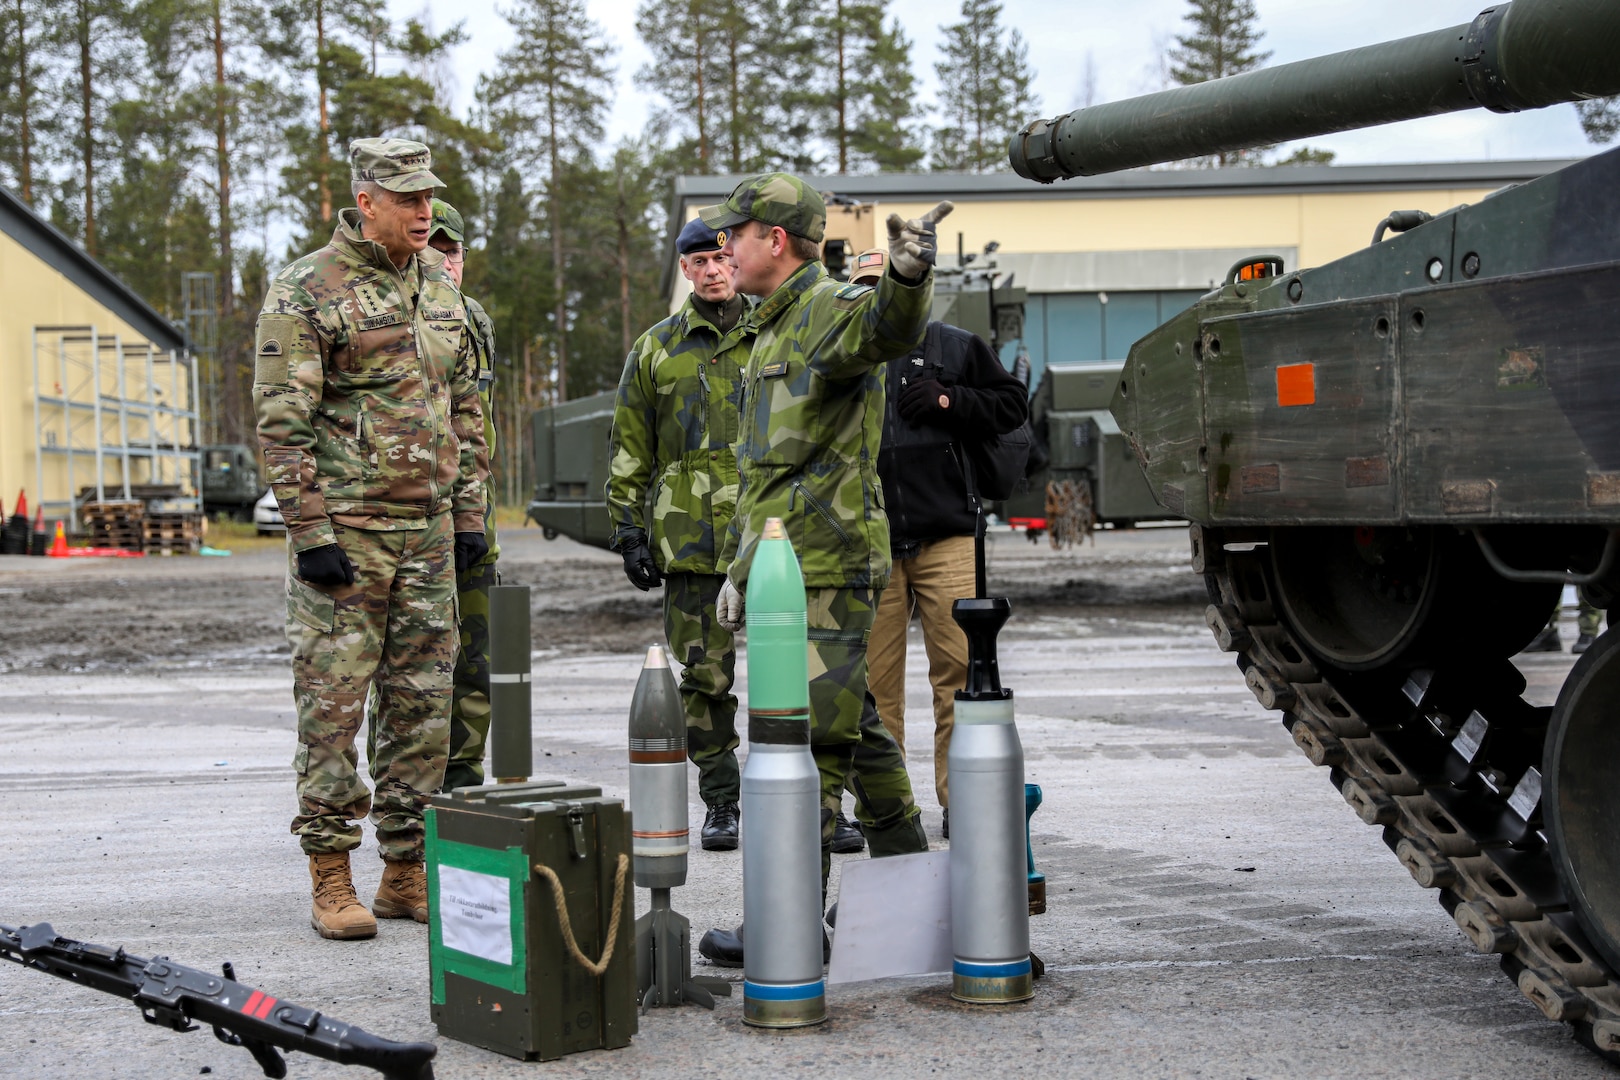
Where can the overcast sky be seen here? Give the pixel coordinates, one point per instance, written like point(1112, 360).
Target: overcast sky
point(1122, 43)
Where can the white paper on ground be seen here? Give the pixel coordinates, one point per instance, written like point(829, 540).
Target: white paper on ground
point(475, 913)
point(894, 918)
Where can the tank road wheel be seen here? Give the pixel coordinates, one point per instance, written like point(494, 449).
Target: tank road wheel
point(1365, 597)
point(1582, 799)
point(1387, 651)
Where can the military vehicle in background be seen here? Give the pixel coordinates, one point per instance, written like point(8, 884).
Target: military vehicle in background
point(230, 480)
point(1091, 480)
point(1394, 463)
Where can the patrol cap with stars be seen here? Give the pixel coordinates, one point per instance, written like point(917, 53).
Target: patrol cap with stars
point(447, 220)
point(868, 266)
point(397, 164)
point(776, 199)
point(696, 236)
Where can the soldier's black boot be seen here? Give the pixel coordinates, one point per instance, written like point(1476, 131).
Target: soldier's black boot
point(1582, 643)
point(847, 839)
point(720, 829)
point(724, 948)
point(945, 822)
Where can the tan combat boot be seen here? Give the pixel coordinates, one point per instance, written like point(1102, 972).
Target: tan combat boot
point(338, 912)
point(403, 892)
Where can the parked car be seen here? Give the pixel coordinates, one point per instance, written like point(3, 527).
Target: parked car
point(267, 515)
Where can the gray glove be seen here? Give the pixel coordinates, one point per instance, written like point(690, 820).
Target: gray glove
point(913, 244)
point(728, 609)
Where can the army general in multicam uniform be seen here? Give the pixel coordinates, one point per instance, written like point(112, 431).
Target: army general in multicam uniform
point(811, 422)
point(366, 387)
point(673, 428)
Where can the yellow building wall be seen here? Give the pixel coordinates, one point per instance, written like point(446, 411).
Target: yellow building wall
point(38, 295)
point(1323, 227)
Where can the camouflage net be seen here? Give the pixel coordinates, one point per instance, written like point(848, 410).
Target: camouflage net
point(1070, 517)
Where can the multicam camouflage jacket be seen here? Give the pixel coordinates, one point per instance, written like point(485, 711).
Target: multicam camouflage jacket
point(674, 426)
point(366, 388)
point(812, 423)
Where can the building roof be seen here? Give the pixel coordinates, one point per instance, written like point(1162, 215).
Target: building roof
point(39, 237)
point(692, 191)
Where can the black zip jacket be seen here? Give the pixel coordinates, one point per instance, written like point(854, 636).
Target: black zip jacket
point(926, 487)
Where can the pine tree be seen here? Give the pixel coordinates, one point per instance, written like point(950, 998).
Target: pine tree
point(867, 92)
point(547, 100)
point(1600, 118)
point(689, 68)
point(1220, 42)
point(985, 90)
point(92, 45)
point(27, 85)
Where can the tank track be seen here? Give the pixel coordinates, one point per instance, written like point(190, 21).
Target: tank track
point(1444, 760)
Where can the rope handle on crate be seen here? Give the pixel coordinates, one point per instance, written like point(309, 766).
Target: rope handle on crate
point(597, 967)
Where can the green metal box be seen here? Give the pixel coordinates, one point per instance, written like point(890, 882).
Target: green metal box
point(503, 975)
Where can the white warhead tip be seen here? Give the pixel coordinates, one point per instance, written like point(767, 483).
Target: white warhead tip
point(656, 657)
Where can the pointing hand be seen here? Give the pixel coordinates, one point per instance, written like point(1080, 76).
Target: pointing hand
point(913, 245)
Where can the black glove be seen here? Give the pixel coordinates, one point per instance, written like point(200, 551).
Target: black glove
point(921, 401)
point(325, 565)
point(470, 547)
point(639, 566)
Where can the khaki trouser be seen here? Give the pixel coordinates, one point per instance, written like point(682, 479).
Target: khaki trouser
point(939, 575)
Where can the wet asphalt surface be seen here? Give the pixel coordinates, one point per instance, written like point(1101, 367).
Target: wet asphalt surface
point(1214, 907)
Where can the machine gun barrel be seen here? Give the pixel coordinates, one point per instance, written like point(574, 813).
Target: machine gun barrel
point(179, 997)
point(1527, 54)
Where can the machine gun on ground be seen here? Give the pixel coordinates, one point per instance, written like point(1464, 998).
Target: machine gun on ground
point(179, 997)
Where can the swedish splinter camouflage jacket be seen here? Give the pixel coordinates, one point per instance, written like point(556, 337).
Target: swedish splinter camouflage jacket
point(366, 388)
point(674, 426)
point(812, 423)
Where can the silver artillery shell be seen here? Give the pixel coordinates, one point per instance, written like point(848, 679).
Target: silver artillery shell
point(781, 801)
point(989, 876)
point(658, 815)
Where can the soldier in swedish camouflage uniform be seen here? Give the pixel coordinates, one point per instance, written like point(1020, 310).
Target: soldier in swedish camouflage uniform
point(469, 709)
point(812, 418)
point(365, 384)
point(674, 424)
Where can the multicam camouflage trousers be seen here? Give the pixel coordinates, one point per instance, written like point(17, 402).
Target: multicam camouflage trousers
point(469, 710)
point(850, 744)
point(708, 654)
point(394, 626)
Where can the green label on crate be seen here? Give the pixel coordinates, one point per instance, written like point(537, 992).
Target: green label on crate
point(475, 898)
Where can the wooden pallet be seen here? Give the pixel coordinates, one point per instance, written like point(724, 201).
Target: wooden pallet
point(115, 524)
point(172, 532)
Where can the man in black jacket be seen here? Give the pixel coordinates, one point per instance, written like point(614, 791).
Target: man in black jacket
point(951, 391)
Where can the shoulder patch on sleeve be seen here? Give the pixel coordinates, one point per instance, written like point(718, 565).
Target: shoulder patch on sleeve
point(270, 347)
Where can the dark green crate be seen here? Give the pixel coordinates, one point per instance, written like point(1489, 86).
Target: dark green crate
point(541, 1003)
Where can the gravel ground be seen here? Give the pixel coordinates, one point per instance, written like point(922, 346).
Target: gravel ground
point(86, 615)
point(1214, 910)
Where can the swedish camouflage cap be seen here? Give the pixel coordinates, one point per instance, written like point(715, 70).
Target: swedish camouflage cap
point(868, 265)
point(696, 236)
point(776, 199)
point(397, 164)
point(447, 220)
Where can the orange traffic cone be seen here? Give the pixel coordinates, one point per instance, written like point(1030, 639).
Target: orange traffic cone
point(22, 505)
point(59, 548)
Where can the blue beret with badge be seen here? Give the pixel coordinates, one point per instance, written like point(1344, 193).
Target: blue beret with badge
point(696, 236)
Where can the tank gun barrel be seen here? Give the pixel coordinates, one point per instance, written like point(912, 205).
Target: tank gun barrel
point(1527, 54)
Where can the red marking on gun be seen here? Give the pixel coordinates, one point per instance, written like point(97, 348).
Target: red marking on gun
point(259, 1004)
